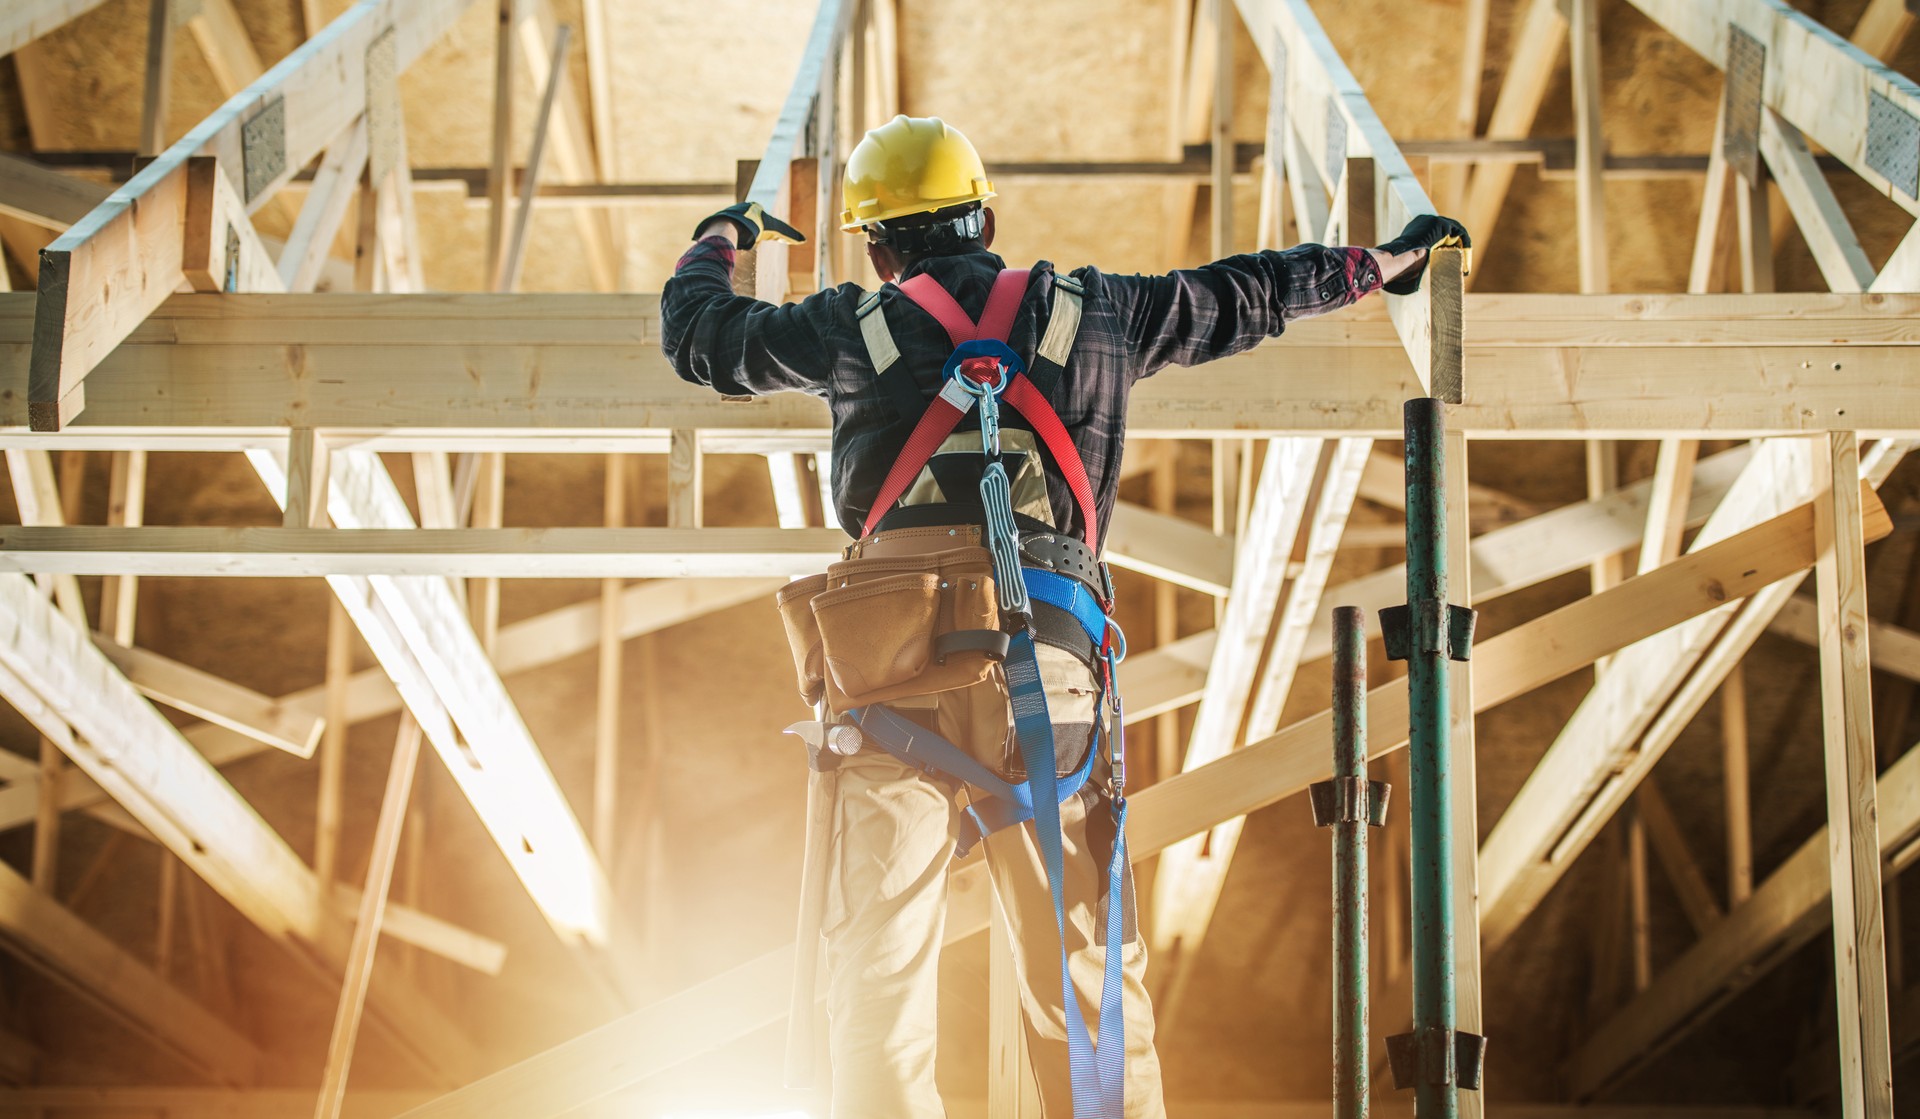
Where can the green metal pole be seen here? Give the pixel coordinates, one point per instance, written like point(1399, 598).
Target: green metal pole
point(1350, 1086)
point(1436, 1094)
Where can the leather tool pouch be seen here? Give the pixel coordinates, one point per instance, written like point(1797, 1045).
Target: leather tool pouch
point(795, 601)
point(909, 625)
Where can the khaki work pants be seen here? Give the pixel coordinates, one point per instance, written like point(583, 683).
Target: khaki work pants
point(894, 833)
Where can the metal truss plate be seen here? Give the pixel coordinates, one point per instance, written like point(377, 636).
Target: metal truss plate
point(1746, 81)
point(263, 146)
point(1893, 144)
point(1336, 139)
point(383, 107)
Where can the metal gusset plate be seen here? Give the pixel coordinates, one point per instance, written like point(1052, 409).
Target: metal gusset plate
point(1893, 144)
point(263, 147)
point(1746, 82)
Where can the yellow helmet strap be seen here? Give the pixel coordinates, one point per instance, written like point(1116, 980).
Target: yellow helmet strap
point(934, 238)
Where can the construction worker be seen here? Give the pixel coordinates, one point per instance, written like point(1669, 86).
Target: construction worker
point(961, 659)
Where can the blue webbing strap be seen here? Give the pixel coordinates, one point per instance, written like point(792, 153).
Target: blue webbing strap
point(1005, 804)
point(1098, 1075)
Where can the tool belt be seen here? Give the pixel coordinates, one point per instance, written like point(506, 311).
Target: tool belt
point(911, 619)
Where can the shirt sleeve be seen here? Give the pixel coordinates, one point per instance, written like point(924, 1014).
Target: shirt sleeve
point(738, 345)
point(1196, 315)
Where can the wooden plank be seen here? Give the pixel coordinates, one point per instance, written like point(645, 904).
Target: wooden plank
point(421, 636)
point(1739, 812)
point(1170, 548)
point(1829, 235)
point(206, 696)
point(126, 507)
point(367, 925)
point(507, 277)
point(1786, 911)
point(1531, 64)
point(328, 795)
point(223, 39)
point(1667, 505)
point(1220, 132)
point(112, 269)
point(551, 553)
point(1619, 732)
point(1464, 765)
point(307, 469)
point(573, 152)
point(38, 501)
point(24, 21)
point(500, 169)
point(53, 941)
point(325, 210)
point(1279, 507)
point(39, 194)
point(1853, 855)
point(754, 994)
point(609, 691)
point(158, 77)
point(1589, 146)
point(1669, 845)
point(243, 363)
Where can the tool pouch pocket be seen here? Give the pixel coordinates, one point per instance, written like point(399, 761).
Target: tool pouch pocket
point(907, 625)
point(803, 635)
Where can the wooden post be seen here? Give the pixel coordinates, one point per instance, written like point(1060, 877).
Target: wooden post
point(1866, 1074)
point(685, 505)
point(1733, 745)
point(366, 930)
point(126, 507)
point(307, 462)
point(46, 819)
point(333, 748)
point(508, 275)
point(159, 77)
point(1221, 132)
point(489, 510)
point(606, 739)
point(1590, 149)
point(1639, 919)
point(500, 170)
point(1756, 243)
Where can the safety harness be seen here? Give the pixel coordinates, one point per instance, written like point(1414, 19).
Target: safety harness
point(985, 372)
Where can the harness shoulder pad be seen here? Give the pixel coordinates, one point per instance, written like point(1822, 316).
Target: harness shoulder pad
point(881, 349)
point(1064, 322)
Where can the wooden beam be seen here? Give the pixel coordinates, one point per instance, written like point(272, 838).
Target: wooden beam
point(517, 553)
point(52, 674)
point(335, 183)
point(508, 276)
point(1181, 889)
point(422, 637)
point(500, 170)
point(1531, 64)
point(1733, 745)
point(754, 994)
point(206, 696)
point(1169, 548)
point(1626, 723)
point(1590, 204)
point(328, 795)
point(126, 508)
point(1829, 235)
point(126, 248)
point(36, 193)
point(26, 20)
point(1220, 131)
point(524, 645)
point(223, 39)
point(367, 925)
point(49, 938)
point(1859, 942)
point(1786, 911)
point(573, 152)
point(609, 685)
point(158, 77)
point(1669, 845)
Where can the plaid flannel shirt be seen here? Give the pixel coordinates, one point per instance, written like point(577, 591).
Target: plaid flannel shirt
point(1131, 327)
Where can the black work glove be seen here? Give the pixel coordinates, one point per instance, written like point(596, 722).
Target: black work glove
point(1428, 231)
point(753, 222)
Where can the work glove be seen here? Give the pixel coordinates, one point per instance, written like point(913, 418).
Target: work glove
point(1428, 231)
point(753, 221)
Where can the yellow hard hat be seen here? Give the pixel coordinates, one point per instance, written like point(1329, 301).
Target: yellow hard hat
point(910, 165)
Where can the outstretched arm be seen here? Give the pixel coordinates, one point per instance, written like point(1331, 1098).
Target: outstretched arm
point(1199, 314)
point(732, 343)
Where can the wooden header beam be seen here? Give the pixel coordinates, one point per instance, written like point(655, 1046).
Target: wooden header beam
point(237, 370)
point(113, 268)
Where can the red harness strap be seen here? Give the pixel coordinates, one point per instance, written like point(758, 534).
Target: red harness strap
point(945, 412)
